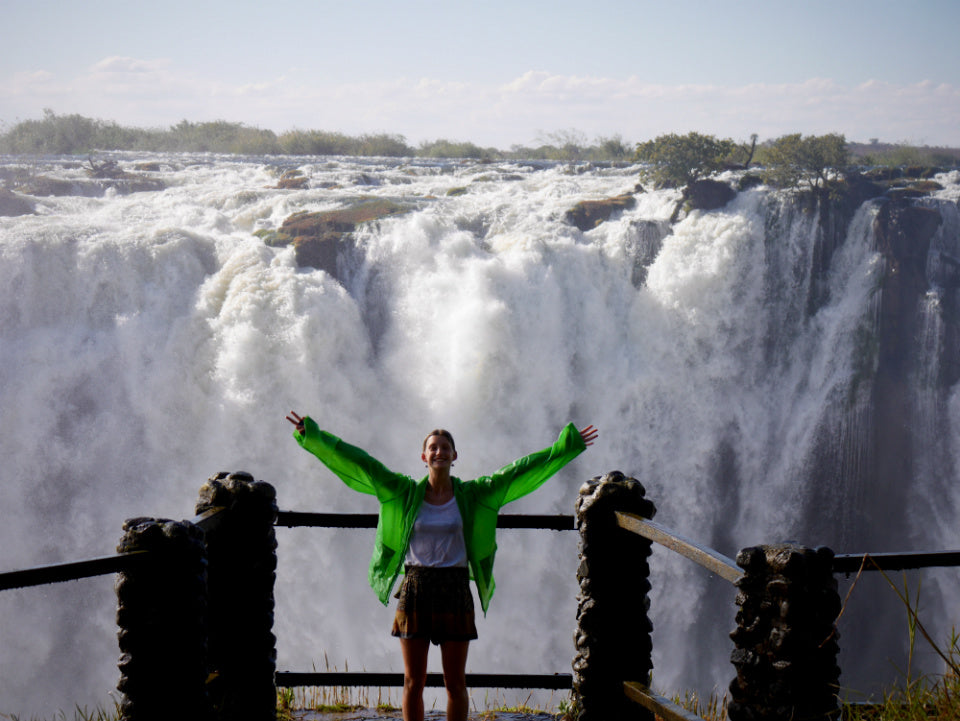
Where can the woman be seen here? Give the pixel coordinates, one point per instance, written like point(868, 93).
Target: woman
point(440, 531)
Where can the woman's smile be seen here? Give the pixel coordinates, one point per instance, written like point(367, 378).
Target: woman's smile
point(438, 452)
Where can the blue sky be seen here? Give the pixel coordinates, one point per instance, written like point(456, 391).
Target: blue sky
point(494, 72)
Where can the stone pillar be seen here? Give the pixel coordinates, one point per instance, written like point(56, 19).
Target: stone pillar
point(241, 550)
point(613, 642)
point(786, 638)
point(161, 616)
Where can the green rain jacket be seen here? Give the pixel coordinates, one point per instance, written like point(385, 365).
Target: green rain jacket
point(400, 498)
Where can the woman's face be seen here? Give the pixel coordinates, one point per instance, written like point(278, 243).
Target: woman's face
point(438, 452)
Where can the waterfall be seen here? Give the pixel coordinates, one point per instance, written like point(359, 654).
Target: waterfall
point(151, 340)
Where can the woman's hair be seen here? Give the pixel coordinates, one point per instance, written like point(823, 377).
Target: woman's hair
point(439, 432)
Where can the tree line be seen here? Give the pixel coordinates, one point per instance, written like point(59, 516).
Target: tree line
point(672, 160)
point(679, 160)
point(676, 161)
point(55, 134)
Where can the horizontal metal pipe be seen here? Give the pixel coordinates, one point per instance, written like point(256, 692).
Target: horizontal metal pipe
point(852, 562)
point(294, 519)
point(557, 681)
point(58, 572)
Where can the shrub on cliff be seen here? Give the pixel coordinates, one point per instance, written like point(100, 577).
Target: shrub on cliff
point(679, 160)
point(815, 159)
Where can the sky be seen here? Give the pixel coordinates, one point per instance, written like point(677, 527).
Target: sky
point(496, 73)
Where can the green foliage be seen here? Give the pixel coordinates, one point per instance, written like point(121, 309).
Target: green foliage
point(73, 134)
point(901, 155)
point(678, 160)
point(919, 699)
point(62, 134)
point(568, 144)
point(815, 159)
point(285, 704)
point(713, 708)
point(612, 148)
point(314, 142)
point(321, 142)
point(384, 145)
point(79, 714)
point(675, 160)
point(572, 146)
point(447, 149)
point(218, 136)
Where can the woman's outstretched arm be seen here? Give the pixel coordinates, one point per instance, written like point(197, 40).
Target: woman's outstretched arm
point(526, 474)
point(352, 465)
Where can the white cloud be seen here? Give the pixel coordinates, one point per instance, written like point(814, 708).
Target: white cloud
point(155, 92)
point(118, 64)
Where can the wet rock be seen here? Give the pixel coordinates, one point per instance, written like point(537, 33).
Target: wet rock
point(43, 187)
point(319, 237)
point(588, 214)
point(292, 180)
point(708, 194)
point(12, 204)
point(105, 169)
point(644, 240)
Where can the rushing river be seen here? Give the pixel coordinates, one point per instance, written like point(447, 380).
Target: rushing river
point(149, 340)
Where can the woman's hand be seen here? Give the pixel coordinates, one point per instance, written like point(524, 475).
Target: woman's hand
point(589, 435)
point(296, 420)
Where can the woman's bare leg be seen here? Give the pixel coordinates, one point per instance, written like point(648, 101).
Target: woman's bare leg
point(414, 676)
point(454, 657)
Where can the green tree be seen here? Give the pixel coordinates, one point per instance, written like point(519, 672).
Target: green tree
point(678, 160)
point(443, 148)
point(569, 144)
point(815, 159)
point(612, 148)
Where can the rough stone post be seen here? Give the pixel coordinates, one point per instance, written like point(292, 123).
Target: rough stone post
point(786, 639)
point(161, 615)
point(613, 642)
point(241, 552)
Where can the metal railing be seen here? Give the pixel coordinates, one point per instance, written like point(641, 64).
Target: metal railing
point(727, 569)
point(714, 562)
point(554, 681)
point(90, 567)
point(123, 562)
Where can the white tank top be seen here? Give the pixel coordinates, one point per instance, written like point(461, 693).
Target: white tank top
point(437, 539)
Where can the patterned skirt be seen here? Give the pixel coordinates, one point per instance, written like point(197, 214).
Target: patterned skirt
point(436, 604)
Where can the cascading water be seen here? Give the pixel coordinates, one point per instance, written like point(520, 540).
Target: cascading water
point(150, 340)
